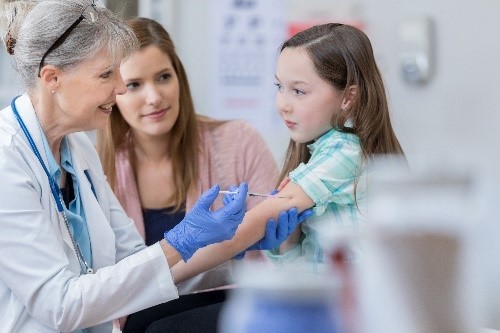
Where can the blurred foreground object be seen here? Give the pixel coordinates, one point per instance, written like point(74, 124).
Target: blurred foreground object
point(415, 274)
point(282, 300)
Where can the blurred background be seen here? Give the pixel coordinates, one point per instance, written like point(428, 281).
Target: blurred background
point(229, 49)
point(440, 61)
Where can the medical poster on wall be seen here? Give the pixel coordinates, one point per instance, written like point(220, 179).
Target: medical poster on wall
point(247, 35)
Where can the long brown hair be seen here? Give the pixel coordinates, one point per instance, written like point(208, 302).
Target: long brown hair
point(184, 145)
point(343, 56)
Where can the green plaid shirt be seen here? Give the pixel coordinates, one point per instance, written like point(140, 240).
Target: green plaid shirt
point(329, 179)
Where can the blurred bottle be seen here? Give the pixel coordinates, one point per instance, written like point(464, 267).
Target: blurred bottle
point(281, 300)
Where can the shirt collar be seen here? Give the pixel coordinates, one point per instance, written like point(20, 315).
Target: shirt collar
point(327, 135)
point(318, 141)
point(66, 161)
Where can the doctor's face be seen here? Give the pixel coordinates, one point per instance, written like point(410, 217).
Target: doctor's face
point(87, 92)
point(151, 104)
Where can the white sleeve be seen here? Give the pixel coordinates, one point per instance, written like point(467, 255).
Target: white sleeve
point(35, 267)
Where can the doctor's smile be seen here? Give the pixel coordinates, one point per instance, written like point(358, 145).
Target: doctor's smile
point(107, 108)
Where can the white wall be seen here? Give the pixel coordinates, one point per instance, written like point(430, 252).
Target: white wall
point(8, 82)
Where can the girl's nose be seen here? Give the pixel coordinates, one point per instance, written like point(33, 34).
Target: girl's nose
point(282, 105)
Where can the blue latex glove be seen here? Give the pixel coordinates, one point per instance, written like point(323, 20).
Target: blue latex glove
point(227, 198)
point(201, 227)
point(276, 233)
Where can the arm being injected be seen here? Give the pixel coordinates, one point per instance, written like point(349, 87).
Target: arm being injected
point(250, 231)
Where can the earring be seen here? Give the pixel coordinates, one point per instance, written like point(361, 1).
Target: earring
point(53, 91)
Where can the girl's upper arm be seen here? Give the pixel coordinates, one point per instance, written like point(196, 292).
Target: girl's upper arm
point(299, 198)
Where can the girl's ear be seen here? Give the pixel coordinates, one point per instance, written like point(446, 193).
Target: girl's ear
point(350, 94)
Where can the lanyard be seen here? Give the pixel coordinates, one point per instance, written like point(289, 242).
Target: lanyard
point(54, 188)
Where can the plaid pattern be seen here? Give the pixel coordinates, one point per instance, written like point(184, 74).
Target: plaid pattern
point(329, 179)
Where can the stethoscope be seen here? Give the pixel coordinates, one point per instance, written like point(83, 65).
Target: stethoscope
point(54, 188)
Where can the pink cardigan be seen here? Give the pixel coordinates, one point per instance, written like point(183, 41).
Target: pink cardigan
point(230, 153)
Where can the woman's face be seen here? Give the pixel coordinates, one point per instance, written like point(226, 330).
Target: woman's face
point(304, 100)
point(151, 104)
point(86, 93)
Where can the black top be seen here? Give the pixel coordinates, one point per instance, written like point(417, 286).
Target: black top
point(68, 191)
point(158, 221)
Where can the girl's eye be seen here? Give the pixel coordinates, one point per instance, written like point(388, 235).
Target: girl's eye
point(132, 85)
point(279, 86)
point(298, 92)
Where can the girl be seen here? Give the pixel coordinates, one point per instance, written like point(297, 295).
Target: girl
point(332, 99)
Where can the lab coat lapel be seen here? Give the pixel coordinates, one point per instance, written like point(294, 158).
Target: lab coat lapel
point(27, 113)
point(100, 232)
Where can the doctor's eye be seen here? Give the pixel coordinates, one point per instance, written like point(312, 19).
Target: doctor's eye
point(105, 75)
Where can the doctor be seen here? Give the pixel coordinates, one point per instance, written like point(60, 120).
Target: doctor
point(70, 258)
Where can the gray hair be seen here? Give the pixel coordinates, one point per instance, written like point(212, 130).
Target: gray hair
point(33, 26)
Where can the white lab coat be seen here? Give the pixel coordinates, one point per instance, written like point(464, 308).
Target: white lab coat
point(41, 289)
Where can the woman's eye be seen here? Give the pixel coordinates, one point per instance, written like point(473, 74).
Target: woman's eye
point(278, 85)
point(165, 77)
point(298, 92)
point(132, 85)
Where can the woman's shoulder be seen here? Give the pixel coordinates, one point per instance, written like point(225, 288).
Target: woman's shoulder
point(233, 128)
point(236, 139)
point(8, 127)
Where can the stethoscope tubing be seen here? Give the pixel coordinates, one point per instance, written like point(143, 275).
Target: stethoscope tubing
point(54, 188)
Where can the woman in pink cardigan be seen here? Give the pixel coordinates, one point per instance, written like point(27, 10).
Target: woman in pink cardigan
point(160, 156)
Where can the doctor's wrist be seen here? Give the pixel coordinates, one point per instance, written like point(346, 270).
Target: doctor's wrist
point(171, 254)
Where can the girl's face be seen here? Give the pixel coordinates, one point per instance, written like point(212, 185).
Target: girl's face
point(151, 104)
point(304, 100)
point(87, 93)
